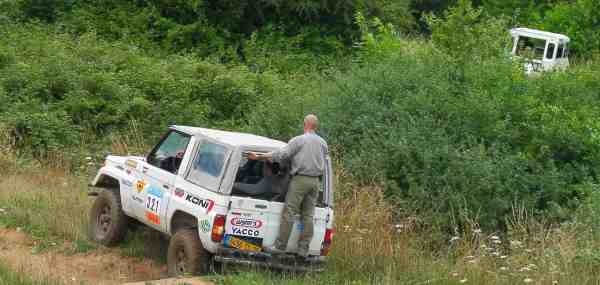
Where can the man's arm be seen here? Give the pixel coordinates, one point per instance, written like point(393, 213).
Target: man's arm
point(260, 156)
point(283, 153)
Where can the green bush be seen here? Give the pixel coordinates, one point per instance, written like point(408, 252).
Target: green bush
point(54, 87)
point(467, 136)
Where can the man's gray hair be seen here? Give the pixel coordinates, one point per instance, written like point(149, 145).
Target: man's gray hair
point(311, 120)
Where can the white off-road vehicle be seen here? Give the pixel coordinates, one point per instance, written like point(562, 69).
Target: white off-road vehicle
point(542, 51)
point(197, 186)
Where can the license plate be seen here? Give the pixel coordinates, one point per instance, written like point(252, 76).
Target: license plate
point(242, 244)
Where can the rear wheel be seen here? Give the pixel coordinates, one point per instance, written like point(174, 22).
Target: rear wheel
point(108, 222)
point(186, 255)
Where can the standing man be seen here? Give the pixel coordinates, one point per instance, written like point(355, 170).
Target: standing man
point(307, 155)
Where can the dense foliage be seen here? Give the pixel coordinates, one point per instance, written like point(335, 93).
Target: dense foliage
point(449, 124)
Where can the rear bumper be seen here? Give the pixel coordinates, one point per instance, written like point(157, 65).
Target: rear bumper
point(288, 262)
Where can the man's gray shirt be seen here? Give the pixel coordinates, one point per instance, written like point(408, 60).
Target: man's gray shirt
point(306, 153)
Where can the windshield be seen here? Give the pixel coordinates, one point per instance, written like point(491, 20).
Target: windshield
point(531, 48)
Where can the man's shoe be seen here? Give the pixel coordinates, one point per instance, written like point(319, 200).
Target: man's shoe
point(273, 250)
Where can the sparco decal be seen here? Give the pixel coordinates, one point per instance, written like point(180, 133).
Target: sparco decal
point(204, 203)
point(245, 232)
point(247, 223)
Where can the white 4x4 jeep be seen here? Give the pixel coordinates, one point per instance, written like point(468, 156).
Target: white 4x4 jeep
point(198, 187)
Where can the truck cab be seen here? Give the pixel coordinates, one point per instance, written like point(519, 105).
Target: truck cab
point(197, 186)
point(541, 51)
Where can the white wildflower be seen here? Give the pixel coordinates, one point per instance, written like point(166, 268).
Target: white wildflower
point(503, 257)
point(88, 158)
point(463, 280)
point(527, 280)
point(503, 268)
point(454, 238)
point(454, 274)
point(516, 243)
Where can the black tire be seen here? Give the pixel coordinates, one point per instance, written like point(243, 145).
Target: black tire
point(108, 222)
point(186, 255)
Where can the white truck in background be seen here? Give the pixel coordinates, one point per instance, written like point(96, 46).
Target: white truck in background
point(542, 51)
point(188, 187)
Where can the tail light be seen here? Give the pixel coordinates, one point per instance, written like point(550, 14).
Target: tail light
point(327, 241)
point(218, 228)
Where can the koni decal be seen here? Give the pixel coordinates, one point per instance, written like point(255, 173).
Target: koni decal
point(203, 203)
point(247, 223)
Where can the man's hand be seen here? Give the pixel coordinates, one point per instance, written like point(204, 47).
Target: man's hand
point(254, 156)
point(258, 156)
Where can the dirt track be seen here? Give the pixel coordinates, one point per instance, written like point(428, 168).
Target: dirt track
point(101, 266)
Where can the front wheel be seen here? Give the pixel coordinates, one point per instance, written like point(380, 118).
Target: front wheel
point(108, 222)
point(186, 255)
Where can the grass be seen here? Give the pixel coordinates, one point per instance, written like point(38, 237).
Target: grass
point(9, 277)
point(372, 245)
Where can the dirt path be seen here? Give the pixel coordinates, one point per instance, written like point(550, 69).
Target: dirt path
point(101, 266)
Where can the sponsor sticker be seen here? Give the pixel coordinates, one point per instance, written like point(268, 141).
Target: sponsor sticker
point(153, 218)
point(205, 226)
point(203, 203)
point(127, 183)
point(247, 223)
point(245, 232)
point(179, 192)
point(139, 186)
point(137, 199)
point(131, 163)
point(154, 199)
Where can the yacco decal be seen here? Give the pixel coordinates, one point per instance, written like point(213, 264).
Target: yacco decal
point(245, 232)
point(204, 203)
point(153, 218)
point(179, 192)
point(139, 186)
point(247, 223)
point(205, 226)
point(127, 182)
point(152, 190)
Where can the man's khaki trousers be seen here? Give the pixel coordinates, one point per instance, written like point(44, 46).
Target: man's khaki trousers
point(300, 200)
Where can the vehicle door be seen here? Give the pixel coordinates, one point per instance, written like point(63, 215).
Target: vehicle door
point(549, 61)
point(157, 178)
point(199, 190)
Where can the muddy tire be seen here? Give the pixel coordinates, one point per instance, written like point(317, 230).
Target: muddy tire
point(186, 255)
point(108, 222)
